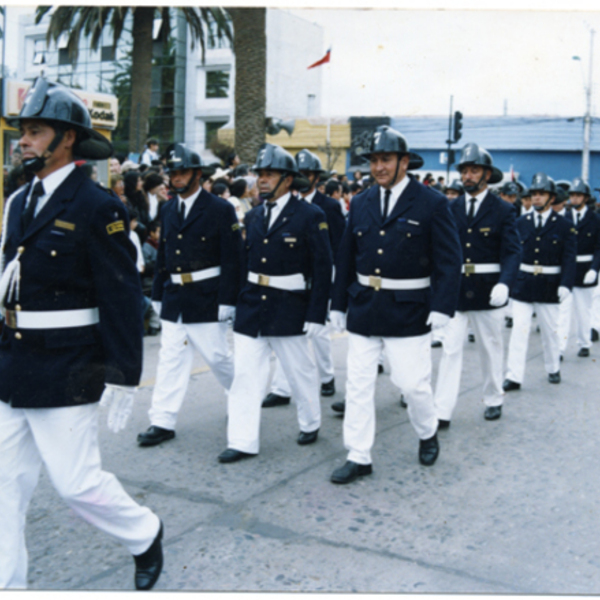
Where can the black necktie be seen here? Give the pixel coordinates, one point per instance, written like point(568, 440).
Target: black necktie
point(268, 208)
point(539, 225)
point(29, 212)
point(181, 212)
point(386, 203)
point(578, 217)
point(471, 209)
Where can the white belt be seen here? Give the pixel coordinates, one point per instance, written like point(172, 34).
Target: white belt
point(540, 270)
point(51, 319)
point(584, 258)
point(480, 268)
point(183, 278)
point(289, 283)
point(384, 283)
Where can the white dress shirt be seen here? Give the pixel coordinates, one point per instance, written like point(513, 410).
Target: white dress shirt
point(189, 202)
point(50, 183)
point(279, 205)
point(478, 200)
point(396, 193)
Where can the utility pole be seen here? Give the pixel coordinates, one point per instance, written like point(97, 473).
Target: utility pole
point(587, 122)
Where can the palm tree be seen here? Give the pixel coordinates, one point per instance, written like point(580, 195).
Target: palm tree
point(93, 20)
point(250, 49)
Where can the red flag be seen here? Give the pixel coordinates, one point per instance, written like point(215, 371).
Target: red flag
point(324, 60)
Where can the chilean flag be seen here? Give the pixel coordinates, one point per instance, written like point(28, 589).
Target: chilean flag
point(324, 60)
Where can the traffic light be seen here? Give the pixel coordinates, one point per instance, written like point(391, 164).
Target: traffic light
point(457, 125)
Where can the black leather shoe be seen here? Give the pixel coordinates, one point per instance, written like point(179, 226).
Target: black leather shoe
point(275, 400)
point(153, 331)
point(149, 564)
point(230, 455)
point(509, 385)
point(403, 401)
point(436, 344)
point(328, 389)
point(154, 436)
point(350, 471)
point(339, 407)
point(429, 450)
point(379, 369)
point(561, 358)
point(509, 322)
point(442, 424)
point(307, 438)
point(492, 413)
point(583, 352)
point(594, 335)
point(554, 377)
point(471, 337)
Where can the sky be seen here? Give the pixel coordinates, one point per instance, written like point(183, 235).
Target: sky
point(409, 62)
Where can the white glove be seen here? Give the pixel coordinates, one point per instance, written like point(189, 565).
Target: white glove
point(563, 293)
point(119, 401)
point(157, 306)
point(226, 312)
point(338, 320)
point(499, 295)
point(437, 320)
point(312, 329)
point(590, 277)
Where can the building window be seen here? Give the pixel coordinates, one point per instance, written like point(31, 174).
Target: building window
point(107, 54)
point(217, 84)
point(39, 52)
point(211, 131)
point(63, 57)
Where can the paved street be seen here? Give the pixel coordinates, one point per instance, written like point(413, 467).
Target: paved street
point(511, 506)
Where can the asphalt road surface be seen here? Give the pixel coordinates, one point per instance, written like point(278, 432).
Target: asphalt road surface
point(511, 506)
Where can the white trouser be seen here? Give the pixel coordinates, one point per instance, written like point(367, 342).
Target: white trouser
point(66, 441)
point(565, 310)
point(582, 301)
point(487, 326)
point(175, 362)
point(321, 344)
point(547, 315)
point(410, 366)
point(596, 308)
point(252, 356)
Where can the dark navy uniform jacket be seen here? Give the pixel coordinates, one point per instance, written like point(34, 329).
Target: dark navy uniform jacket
point(296, 242)
point(554, 245)
point(209, 237)
point(588, 243)
point(335, 219)
point(76, 254)
point(417, 240)
point(491, 238)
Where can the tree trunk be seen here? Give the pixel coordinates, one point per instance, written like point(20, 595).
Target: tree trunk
point(250, 48)
point(141, 76)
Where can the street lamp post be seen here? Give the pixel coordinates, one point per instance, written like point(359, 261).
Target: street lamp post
point(587, 121)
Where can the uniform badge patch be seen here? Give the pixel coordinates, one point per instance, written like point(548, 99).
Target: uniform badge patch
point(115, 227)
point(323, 226)
point(235, 226)
point(484, 229)
point(64, 225)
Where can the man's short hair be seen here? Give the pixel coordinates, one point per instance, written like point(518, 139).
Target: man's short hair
point(151, 142)
point(332, 187)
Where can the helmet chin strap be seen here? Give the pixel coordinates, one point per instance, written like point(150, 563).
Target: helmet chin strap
point(37, 163)
point(269, 195)
point(476, 187)
point(544, 206)
point(186, 188)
